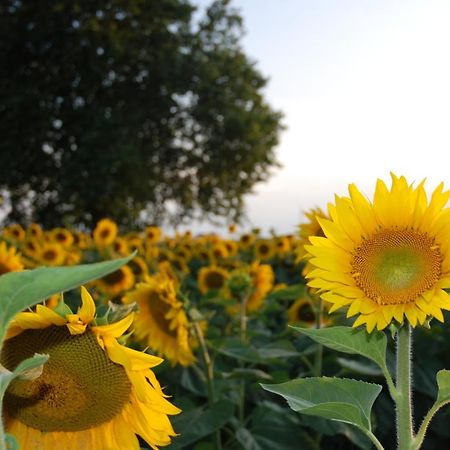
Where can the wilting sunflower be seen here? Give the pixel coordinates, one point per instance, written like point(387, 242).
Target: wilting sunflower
point(116, 282)
point(10, 260)
point(388, 258)
point(93, 393)
point(211, 278)
point(104, 233)
point(161, 321)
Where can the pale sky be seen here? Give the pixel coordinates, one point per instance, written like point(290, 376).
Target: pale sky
point(365, 89)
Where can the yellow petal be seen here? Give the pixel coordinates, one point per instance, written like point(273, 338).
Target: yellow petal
point(116, 329)
point(50, 315)
point(31, 320)
point(87, 310)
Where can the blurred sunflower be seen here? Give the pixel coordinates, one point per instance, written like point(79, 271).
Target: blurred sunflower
point(105, 233)
point(262, 280)
point(211, 278)
point(120, 246)
point(301, 312)
point(10, 260)
point(116, 282)
point(61, 236)
point(138, 267)
point(31, 247)
point(51, 254)
point(93, 393)
point(34, 230)
point(152, 234)
point(386, 259)
point(283, 245)
point(219, 251)
point(264, 250)
point(246, 241)
point(161, 321)
point(14, 232)
point(310, 228)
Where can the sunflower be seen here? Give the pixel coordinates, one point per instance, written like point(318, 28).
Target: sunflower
point(105, 233)
point(152, 234)
point(246, 240)
point(14, 232)
point(31, 247)
point(301, 312)
point(262, 280)
point(34, 230)
point(52, 254)
point(10, 260)
point(93, 393)
point(120, 246)
point(61, 236)
point(310, 228)
point(264, 250)
point(161, 321)
point(283, 245)
point(116, 282)
point(387, 259)
point(138, 267)
point(219, 251)
point(211, 278)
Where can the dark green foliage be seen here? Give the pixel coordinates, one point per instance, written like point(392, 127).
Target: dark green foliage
point(112, 108)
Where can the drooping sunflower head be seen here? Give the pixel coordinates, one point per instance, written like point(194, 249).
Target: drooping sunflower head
point(104, 233)
point(212, 278)
point(386, 259)
point(10, 259)
point(92, 393)
point(161, 320)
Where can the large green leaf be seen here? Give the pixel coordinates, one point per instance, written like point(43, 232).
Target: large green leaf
point(350, 340)
point(199, 423)
point(20, 290)
point(340, 399)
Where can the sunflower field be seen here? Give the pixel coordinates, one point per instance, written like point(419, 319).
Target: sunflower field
point(196, 342)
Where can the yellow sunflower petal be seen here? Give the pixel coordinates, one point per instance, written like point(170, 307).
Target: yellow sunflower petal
point(87, 310)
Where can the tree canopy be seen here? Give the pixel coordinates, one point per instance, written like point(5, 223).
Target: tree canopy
point(134, 110)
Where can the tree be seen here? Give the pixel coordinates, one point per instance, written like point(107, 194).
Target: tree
point(129, 109)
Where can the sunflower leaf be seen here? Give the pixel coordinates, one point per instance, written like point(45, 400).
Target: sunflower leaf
point(21, 290)
point(31, 368)
point(351, 340)
point(339, 399)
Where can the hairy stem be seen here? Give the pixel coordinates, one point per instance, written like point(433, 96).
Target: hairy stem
point(403, 402)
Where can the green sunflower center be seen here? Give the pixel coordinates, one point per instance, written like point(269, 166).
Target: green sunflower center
point(395, 266)
point(80, 387)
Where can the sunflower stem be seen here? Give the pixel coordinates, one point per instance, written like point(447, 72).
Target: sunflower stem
point(209, 371)
point(319, 352)
point(403, 402)
point(243, 335)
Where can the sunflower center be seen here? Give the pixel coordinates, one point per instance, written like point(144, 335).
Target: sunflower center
point(214, 280)
point(115, 277)
point(159, 309)
point(395, 266)
point(80, 387)
point(49, 255)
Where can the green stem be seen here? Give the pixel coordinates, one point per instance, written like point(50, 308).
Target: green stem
point(403, 403)
point(243, 335)
point(319, 352)
point(209, 369)
point(374, 439)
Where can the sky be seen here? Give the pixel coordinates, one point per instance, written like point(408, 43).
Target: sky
point(365, 89)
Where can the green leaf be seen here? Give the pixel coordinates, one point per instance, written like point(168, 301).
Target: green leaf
point(200, 423)
point(443, 381)
point(242, 373)
point(363, 367)
point(340, 399)
point(21, 290)
point(31, 368)
point(351, 340)
point(292, 292)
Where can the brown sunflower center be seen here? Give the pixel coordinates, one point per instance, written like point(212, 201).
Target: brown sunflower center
point(395, 266)
point(158, 308)
point(80, 387)
point(115, 277)
point(214, 280)
point(49, 255)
